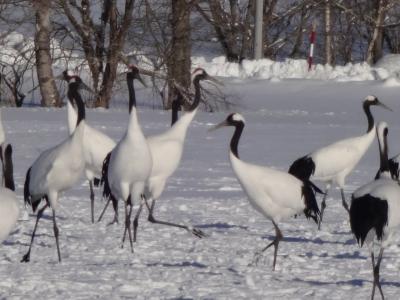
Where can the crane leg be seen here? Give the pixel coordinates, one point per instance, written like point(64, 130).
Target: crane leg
point(323, 206)
point(27, 256)
point(345, 205)
point(275, 242)
point(136, 220)
point(375, 269)
point(104, 210)
point(91, 199)
point(115, 206)
point(195, 231)
point(127, 225)
point(56, 233)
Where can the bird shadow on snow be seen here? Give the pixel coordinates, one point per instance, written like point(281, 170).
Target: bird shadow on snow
point(220, 225)
point(352, 282)
point(317, 241)
point(47, 217)
point(178, 265)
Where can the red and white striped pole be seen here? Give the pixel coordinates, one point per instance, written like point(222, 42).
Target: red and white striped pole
point(312, 42)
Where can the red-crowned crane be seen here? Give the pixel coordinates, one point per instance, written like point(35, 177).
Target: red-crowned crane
point(275, 194)
point(331, 164)
point(56, 169)
point(375, 210)
point(166, 149)
point(96, 145)
point(128, 166)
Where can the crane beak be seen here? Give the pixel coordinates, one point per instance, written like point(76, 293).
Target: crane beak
point(213, 79)
point(215, 127)
point(384, 106)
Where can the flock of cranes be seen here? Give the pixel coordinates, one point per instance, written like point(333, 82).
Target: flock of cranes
point(136, 169)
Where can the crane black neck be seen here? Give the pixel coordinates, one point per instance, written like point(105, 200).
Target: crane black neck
point(74, 95)
point(383, 153)
point(132, 95)
point(8, 169)
point(367, 110)
point(197, 92)
point(175, 108)
point(236, 137)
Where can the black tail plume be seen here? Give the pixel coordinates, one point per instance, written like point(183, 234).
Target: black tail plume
point(8, 169)
point(302, 168)
point(394, 168)
point(366, 213)
point(96, 182)
point(311, 209)
point(104, 181)
point(104, 177)
point(27, 194)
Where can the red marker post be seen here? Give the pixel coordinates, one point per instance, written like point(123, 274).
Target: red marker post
point(312, 42)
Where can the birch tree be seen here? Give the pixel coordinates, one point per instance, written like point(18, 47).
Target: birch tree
point(48, 89)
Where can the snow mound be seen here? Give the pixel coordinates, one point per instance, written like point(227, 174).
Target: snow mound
point(388, 67)
point(391, 82)
point(390, 63)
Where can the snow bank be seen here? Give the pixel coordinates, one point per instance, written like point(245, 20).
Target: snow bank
point(387, 69)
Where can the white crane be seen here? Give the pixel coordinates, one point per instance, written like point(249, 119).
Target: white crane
point(128, 166)
point(96, 145)
point(56, 169)
point(331, 164)
point(375, 210)
point(275, 194)
point(166, 149)
point(9, 207)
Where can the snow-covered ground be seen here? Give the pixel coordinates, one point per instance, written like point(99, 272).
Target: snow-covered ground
point(285, 119)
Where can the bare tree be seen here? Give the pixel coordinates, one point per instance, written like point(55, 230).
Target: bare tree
point(179, 63)
point(102, 59)
point(375, 50)
point(232, 26)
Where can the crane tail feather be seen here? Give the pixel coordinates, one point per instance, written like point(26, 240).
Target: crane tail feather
point(27, 194)
point(104, 181)
point(104, 176)
point(311, 209)
point(302, 168)
point(366, 213)
point(394, 168)
point(96, 182)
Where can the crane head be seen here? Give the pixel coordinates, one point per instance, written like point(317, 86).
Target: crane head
point(134, 73)
point(234, 119)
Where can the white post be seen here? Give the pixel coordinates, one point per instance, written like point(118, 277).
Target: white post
point(258, 30)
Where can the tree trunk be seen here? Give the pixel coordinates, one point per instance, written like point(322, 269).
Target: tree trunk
point(299, 36)
point(179, 63)
point(118, 29)
point(268, 11)
point(222, 23)
point(247, 36)
point(48, 89)
point(374, 51)
point(328, 33)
